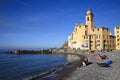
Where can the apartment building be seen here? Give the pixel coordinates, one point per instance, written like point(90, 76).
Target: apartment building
point(117, 34)
point(90, 37)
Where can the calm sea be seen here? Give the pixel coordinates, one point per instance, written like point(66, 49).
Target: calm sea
point(17, 67)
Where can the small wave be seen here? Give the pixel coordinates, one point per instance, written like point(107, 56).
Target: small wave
point(35, 76)
point(54, 73)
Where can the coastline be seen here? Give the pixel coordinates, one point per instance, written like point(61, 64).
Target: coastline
point(74, 70)
point(19, 66)
point(59, 72)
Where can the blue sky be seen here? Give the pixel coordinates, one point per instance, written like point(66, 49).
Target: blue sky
point(35, 24)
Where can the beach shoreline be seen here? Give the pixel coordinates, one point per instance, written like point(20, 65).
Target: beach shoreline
point(59, 72)
point(75, 71)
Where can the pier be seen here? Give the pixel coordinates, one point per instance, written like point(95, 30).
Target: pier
point(41, 51)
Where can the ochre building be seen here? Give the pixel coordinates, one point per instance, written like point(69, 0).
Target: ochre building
point(117, 34)
point(90, 37)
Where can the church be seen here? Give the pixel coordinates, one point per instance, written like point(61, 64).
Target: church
point(90, 37)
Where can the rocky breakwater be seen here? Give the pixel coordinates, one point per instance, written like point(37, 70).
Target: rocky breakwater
point(47, 51)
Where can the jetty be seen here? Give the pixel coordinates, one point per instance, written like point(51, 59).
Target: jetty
point(41, 51)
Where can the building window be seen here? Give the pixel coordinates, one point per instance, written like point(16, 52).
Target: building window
point(117, 35)
point(93, 30)
point(98, 40)
point(104, 41)
point(98, 36)
point(107, 41)
point(84, 37)
point(91, 36)
point(91, 41)
point(75, 42)
point(118, 44)
point(105, 45)
point(117, 31)
point(98, 29)
point(117, 39)
point(87, 18)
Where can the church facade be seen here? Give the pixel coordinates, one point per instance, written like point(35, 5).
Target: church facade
point(90, 37)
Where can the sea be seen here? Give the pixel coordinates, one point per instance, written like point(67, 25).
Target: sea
point(20, 66)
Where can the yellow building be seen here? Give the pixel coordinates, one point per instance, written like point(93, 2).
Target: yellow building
point(76, 38)
point(88, 37)
point(117, 34)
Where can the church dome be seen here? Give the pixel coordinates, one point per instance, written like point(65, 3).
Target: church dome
point(89, 11)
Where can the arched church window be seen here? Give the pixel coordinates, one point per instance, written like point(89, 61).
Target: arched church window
point(87, 18)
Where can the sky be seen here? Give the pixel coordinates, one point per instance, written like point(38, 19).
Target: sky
point(36, 24)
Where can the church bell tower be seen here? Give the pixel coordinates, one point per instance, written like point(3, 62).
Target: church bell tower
point(89, 20)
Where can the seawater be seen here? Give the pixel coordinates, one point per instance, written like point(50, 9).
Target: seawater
point(19, 66)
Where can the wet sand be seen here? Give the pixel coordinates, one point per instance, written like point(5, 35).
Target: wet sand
point(94, 72)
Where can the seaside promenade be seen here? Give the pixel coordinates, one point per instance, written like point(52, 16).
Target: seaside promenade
point(95, 72)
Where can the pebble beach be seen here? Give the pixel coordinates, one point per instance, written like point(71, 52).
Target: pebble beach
point(95, 72)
